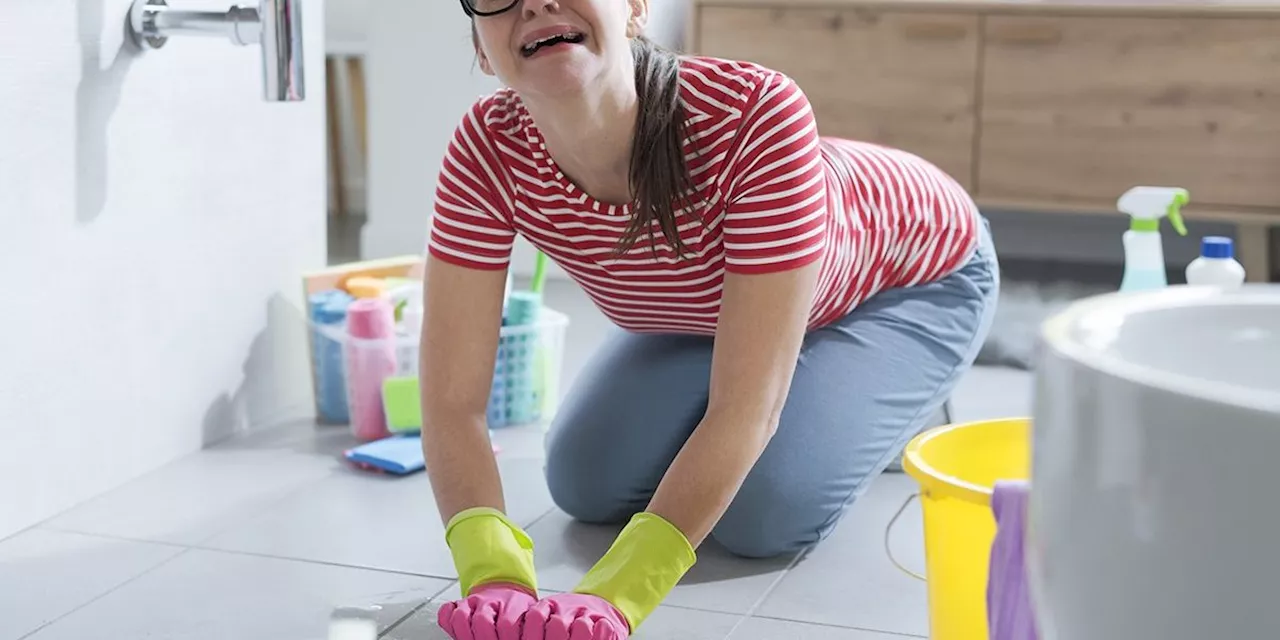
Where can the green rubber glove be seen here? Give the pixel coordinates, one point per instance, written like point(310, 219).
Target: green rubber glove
point(644, 564)
point(488, 547)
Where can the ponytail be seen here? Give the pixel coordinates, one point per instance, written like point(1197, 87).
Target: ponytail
point(660, 181)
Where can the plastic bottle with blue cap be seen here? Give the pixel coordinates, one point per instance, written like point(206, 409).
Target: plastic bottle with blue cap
point(329, 317)
point(1144, 266)
point(1216, 266)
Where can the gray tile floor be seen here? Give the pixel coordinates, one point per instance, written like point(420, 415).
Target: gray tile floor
point(262, 536)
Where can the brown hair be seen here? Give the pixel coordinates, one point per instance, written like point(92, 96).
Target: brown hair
point(657, 171)
point(660, 181)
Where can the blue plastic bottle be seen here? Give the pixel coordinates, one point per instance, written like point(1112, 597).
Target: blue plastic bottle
point(328, 317)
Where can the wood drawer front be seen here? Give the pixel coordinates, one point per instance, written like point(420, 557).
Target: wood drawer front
point(1081, 109)
point(903, 80)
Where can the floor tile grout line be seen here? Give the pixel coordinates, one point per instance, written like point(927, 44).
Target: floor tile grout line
point(773, 585)
point(114, 536)
point(782, 575)
point(737, 624)
point(24, 530)
point(202, 546)
point(829, 625)
point(685, 607)
point(402, 619)
point(325, 563)
point(266, 508)
point(44, 523)
point(678, 607)
point(742, 618)
point(253, 554)
point(183, 549)
point(108, 592)
point(450, 580)
point(540, 518)
point(414, 611)
point(394, 625)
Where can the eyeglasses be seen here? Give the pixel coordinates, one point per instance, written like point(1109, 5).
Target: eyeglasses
point(481, 8)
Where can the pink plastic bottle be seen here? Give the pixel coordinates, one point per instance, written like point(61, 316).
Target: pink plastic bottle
point(371, 359)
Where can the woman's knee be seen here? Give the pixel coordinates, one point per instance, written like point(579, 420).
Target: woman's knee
point(584, 482)
point(610, 443)
point(767, 519)
point(757, 540)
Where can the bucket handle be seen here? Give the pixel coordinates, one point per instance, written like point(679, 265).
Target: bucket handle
point(888, 531)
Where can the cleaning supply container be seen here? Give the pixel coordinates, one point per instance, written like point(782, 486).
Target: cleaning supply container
point(1144, 265)
point(957, 467)
point(515, 397)
point(370, 352)
point(329, 318)
point(409, 310)
point(1156, 446)
point(523, 383)
point(382, 390)
point(1216, 266)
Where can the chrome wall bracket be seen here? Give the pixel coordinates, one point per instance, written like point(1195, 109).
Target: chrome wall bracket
point(274, 25)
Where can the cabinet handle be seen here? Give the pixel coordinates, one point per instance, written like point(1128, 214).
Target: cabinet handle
point(934, 31)
point(1028, 35)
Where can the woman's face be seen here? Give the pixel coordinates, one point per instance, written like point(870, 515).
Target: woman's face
point(559, 46)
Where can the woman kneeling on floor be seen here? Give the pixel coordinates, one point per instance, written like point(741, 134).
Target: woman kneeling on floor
point(791, 309)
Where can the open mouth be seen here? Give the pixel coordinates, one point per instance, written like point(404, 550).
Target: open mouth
point(548, 42)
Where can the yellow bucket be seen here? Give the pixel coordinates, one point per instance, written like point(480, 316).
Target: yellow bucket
point(957, 466)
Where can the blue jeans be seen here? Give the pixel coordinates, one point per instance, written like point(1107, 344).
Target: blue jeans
point(864, 385)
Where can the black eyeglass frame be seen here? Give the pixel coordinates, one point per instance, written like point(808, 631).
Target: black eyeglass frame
point(473, 13)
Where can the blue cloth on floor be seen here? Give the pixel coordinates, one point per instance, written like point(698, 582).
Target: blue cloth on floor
point(1009, 614)
point(399, 455)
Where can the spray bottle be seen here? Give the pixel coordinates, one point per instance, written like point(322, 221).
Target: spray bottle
point(1144, 266)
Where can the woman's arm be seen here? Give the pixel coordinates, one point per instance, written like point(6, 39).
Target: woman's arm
point(470, 244)
point(763, 318)
point(762, 323)
point(471, 238)
point(774, 232)
point(462, 318)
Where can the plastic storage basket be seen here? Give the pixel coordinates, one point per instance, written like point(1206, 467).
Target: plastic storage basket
point(526, 384)
point(526, 378)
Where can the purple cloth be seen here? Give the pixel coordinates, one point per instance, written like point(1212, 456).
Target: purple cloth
point(1009, 614)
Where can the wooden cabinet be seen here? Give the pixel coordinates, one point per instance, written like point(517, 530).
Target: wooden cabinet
point(1044, 105)
point(1078, 109)
point(905, 80)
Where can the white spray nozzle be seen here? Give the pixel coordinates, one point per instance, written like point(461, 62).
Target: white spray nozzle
point(1146, 205)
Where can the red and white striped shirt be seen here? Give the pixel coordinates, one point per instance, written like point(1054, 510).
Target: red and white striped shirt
point(776, 196)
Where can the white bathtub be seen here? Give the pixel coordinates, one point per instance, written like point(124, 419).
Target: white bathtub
point(1156, 476)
